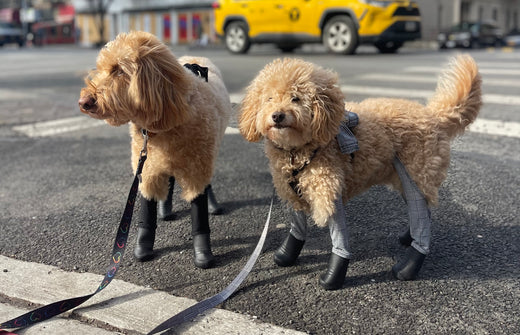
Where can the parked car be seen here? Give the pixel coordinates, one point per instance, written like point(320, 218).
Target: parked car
point(512, 39)
point(9, 33)
point(341, 25)
point(471, 35)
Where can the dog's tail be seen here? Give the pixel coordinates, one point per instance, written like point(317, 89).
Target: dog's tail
point(458, 97)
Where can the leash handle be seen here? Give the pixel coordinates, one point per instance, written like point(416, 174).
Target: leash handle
point(48, 311)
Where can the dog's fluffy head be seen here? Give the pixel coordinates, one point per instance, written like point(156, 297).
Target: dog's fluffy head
point(292, 103)
point(136, 79)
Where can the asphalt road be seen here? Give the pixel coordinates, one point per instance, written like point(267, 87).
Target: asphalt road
point(61, 196)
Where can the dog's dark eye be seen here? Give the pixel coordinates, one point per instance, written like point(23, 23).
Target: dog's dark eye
point(295, 99)
point(269, 99)
point(117, 71)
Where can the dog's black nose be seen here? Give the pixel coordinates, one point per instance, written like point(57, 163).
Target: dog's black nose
point(278, 117)
point(87, 103)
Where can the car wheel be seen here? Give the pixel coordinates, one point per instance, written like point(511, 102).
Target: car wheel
point(287, 48)
point(388, 47)
point(236, 38)
point(340, 35)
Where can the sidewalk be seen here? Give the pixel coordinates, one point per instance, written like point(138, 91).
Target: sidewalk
point(121, 308)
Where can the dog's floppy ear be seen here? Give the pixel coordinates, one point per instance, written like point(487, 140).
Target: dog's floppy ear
point(249, 111)
point(328, 105)
point(159, 86)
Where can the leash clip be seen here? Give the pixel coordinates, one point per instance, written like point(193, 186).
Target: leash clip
point(144, 150)
point(142, 155)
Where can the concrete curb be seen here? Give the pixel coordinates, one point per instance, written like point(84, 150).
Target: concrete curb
point(121, 308)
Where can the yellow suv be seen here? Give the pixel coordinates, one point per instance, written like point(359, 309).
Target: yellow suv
point(341, 25)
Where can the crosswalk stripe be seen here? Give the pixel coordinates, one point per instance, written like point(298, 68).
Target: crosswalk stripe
point(506, 65)
point(56, 127)
point(496, 127)
point(65, 125)
point(390, 77)
point(434, 69)
point(500, 99)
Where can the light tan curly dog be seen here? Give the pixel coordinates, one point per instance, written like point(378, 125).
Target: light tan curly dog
point(138, 80)
point(298, 108)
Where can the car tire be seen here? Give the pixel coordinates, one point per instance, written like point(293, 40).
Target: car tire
point(388, 47)
point(236, 39)
point(340, 35)
point(287, 48)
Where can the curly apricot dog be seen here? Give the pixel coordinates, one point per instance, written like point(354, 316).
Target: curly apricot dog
point(138, 80)
point(298, 108)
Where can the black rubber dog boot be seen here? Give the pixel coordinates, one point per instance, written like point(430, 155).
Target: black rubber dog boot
point(405, 238)
point(203, 257)
point(213, 206)
point(165, 207)
point(334, 277)
point(408, 268)
point(289, 251)
point(146, 232)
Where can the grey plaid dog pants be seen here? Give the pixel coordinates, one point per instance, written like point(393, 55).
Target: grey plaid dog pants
point(337, 227)
point(419, 215)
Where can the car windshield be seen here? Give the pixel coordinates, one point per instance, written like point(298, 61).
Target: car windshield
point(464, 26)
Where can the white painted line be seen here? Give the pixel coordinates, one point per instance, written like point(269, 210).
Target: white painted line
point(496, 127)
point(236, 97)
point(434, 69)
point(232, 131)
point(500, 99)
point(16, 95)
point(504, 65)
point(55, 127)
point(385, 92)
point(392, 77)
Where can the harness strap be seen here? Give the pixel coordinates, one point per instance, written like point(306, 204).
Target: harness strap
point(200, 71)
point(294, 184)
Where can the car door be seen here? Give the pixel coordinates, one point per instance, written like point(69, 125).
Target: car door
point(303, 16)
point(266, 17)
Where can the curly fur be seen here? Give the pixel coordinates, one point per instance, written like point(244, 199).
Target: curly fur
point(313, 106)
point(138, 80)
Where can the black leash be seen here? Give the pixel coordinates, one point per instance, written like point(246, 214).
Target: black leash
point(51, 310)
point(48, 311)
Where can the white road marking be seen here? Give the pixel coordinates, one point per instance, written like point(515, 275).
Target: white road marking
point(390, 77)
point(434, 69)
point(496, 127)
point(55, 127)
point(500, 99)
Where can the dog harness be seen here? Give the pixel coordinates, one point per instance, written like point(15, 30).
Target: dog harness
point(200, 71)
point(348, 144)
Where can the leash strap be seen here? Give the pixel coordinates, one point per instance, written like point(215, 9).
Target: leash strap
point(191, 312)
point(51, 310)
